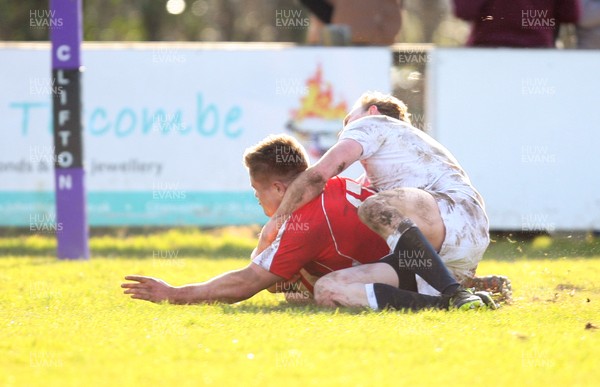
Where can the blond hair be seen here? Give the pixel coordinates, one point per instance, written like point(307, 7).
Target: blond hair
point(386, 104)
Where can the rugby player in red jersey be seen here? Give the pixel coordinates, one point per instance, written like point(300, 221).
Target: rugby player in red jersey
point(322, 236)
point(426, 208)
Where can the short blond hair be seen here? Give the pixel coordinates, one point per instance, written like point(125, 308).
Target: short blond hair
point(277, 156)
point(386, 104)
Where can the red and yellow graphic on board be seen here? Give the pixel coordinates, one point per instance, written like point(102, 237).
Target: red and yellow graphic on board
point(318, 102)
point(319, 118)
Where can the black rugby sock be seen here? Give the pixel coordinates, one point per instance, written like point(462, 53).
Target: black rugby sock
point(417, 255)
point(390, 297)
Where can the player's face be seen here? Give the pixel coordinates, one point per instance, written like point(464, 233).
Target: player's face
point(269, 194)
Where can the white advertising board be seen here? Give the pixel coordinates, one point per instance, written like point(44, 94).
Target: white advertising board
point(165, 126)
point(525, 124)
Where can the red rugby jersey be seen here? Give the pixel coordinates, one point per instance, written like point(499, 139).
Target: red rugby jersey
point(324, 235)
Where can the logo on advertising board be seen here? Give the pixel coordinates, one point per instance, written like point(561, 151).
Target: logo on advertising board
point(318, 120)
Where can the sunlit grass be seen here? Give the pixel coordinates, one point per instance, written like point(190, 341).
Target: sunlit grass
point(68, 324)
point(179, 242)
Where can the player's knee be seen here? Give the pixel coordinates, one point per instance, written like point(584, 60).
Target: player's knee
point(325, 291)
point(378, 214)
point(340, 277)
point(330, 293)
point(367, 210)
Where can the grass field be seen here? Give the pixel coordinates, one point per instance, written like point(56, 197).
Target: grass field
point(68, 323)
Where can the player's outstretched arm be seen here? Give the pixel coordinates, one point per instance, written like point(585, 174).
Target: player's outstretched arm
point(308, 185)
point(230, 287)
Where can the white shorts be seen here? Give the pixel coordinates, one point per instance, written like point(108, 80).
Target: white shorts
point(467, 237)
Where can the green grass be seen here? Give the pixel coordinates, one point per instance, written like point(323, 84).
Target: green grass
point(183, 242)
point(68, 324)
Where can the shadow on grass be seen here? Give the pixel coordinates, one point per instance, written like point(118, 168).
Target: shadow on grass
point(287, 308)
point(302, 310)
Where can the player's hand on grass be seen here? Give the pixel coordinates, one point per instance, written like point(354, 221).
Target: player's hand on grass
point(148, 288)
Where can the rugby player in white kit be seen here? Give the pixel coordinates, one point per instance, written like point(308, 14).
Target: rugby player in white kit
point(426, 208)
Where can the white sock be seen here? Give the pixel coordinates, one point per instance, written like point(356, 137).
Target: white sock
point(371, 297)
point(394, 237)
point(392, 240)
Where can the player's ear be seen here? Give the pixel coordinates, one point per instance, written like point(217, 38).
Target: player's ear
point(373, 110)
point(280, 187)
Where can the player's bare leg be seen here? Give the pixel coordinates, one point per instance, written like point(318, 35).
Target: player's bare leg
point(375, 285)
point(351, 295)
point(410, 221)
point(384, 212)
point(347, 287)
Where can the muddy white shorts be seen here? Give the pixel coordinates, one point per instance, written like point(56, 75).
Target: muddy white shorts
point(467, 237)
